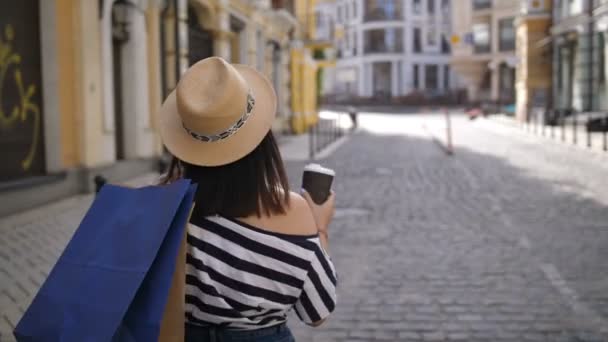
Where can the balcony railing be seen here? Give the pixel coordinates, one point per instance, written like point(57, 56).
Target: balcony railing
point(482, 4)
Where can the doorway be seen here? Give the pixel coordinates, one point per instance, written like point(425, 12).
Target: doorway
point(382, 80)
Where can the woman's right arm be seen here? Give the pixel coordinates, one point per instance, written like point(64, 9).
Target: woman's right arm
point(322, 214)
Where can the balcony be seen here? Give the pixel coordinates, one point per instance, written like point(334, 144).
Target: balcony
point(479, 5)
point(383, 10)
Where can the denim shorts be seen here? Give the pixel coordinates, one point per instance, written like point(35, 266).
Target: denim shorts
point(278, 333)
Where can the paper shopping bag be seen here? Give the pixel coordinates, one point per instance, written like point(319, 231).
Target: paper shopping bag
point(113, 281)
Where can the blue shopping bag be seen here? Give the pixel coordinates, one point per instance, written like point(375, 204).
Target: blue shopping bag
point(113, 281)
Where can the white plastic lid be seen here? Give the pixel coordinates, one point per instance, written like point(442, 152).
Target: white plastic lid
point(319, 169)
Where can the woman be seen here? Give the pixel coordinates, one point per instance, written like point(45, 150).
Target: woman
point(255, 249)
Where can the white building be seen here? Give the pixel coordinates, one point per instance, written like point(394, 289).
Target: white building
point(387, 48)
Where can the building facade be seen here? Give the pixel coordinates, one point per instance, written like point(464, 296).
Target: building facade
point(311, 56)
point(578, 37)
point(82, 82)
point(483, 51)
point(600, 19)
point(534, 70)
point(388, 49)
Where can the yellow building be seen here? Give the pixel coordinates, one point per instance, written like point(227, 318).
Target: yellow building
point(82, 86)
point(304, 67)
point(533, 77)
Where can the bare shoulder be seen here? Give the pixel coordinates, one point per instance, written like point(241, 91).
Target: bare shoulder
point(300, 216)
point(297, 220)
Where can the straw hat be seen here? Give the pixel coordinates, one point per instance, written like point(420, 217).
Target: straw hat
point(218, 113)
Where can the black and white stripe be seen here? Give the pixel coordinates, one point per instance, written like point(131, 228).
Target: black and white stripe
point(243, 277)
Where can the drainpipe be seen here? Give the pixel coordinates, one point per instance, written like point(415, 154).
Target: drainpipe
point(163, 49)
point(178, 57)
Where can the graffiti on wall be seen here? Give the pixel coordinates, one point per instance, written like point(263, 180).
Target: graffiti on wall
point(23, 107)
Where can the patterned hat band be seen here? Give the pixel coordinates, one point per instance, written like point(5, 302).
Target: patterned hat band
point(230, 131)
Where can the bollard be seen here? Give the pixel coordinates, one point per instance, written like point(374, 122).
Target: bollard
point(605, 128)
point(589, 144)
point(562, 123)
point(553, 123)
point(311, 142)
point(575, 128)
point(450, 148)
point(543, 123)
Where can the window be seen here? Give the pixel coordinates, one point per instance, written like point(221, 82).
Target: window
point(319, 20)
point(446, 77)
point(339, 15)
point(417, 38)
point(481, 38)
point(379, 10)
point(445, 44)
point(431, 36)
point(417, 7)
point(354, 8)
point(430, 77)
point(416, 77)
point(347, 12)
point(383, 40)
point(506, 31)
point(431, 6)
point(482, 4)
point(445, 7)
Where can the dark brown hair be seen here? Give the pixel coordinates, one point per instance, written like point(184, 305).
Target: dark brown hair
point(256, 184)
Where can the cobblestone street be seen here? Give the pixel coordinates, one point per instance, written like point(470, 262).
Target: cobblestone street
point(507, 240)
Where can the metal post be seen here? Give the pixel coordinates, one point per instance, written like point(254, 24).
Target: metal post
point(604, 129)
point(562, 115)
point(553, 123)
point(589, 143)
point(450, 148)
point(543, 123)
point(311, 143)
point(575, 127)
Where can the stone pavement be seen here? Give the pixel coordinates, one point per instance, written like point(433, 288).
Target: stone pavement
point(505, 241)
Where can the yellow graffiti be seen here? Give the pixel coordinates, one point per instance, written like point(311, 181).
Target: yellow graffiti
point(25, 108)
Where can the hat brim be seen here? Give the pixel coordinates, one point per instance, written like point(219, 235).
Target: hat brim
point(182, 145)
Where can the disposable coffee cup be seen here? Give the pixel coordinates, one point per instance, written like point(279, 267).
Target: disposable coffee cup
point(317, 181)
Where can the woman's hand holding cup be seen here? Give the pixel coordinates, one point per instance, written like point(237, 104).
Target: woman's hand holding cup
point(322, 213)
point(316, 189)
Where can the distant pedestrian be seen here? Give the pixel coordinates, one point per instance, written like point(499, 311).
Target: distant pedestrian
point(256, 250)
point(352, 112)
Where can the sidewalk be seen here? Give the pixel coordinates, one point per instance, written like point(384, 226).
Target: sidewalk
point(552, 134)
